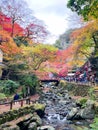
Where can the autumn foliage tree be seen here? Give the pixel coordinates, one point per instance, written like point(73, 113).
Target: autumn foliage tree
point(8, 46)
point(16, 11)
point(85, 39)
point(34, 56)
point(6, 25)
point(18, 20)
point(36, 32)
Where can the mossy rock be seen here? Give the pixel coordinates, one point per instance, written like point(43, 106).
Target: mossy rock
point(11, 117)
point(37, 119)
point(39, 108)
point(14, 114)
point(62, 83)
point(2, 120)
point(8, 117)
point(81, 102)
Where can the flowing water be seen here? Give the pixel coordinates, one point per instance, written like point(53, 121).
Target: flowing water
point(58, 105)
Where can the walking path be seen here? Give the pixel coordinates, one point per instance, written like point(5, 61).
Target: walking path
point(6, 107)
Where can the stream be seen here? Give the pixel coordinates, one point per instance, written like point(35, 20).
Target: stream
point(58, 105)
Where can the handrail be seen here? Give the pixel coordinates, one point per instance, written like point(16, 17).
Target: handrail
point(14, 101)
point(83, 83)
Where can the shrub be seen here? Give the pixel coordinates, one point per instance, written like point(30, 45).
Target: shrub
point(70, 86)
point(2, 96)
point(94, 125)
point(82, 102)
point(91, 94)
point(9, 87)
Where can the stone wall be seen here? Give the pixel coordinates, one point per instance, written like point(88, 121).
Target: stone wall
point(16, 113)
point(75, 89)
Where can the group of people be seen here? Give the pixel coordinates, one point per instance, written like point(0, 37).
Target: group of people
point(83, 77)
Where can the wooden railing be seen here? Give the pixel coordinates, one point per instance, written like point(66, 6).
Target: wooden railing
point(20, 101)
point(84, 83)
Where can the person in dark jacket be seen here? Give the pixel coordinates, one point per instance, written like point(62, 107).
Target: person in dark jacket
point(16, 97)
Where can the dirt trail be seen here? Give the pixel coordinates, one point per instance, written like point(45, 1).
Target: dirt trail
point(5, 108)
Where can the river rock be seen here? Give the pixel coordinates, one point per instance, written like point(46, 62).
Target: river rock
point(32, 126)
point(36, 119)
point(47, 127)
point(90, 103)
point(86, 113)
point(72, 113)
point(64, 102)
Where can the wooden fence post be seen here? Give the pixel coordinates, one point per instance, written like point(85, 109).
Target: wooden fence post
point(29, 101)
point(11, 105)
point(21, 103)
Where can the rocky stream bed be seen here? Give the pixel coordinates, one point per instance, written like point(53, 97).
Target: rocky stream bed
point(64, 113)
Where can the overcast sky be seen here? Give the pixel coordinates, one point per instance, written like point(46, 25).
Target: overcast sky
point(54, 13)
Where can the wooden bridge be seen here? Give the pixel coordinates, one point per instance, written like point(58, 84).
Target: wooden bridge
point(56, 81)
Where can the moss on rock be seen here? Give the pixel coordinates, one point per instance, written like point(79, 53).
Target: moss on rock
point(81, 102)
point(62, 83)
point(14, 114)
point(39, 108)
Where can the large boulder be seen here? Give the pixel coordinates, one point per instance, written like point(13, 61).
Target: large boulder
point(88, 112)
point(36, 119)
point(40, 109)
point(72, 113)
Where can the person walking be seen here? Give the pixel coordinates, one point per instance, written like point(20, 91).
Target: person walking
point(16, 97)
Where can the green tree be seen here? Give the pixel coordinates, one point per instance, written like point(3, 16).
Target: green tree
point(87, 8)
point(30, 82)
point(9, 87)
